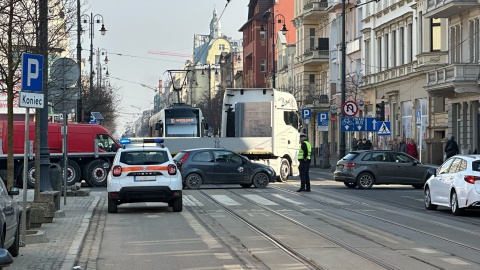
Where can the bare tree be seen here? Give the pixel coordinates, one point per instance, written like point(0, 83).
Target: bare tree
point(19, 32)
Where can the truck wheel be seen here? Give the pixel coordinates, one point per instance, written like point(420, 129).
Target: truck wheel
point(95, 173)
point(73, 171)
point(284, 171)
point(30, 175)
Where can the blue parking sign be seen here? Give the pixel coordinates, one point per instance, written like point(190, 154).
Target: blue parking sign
point(306, 113)
point(32, 72)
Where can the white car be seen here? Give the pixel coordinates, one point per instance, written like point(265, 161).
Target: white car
point(142, 172)
point(455, 184)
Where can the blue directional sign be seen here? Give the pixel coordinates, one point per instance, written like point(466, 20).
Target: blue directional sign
point(306, 113)
point(358, 124)
point(32, 72)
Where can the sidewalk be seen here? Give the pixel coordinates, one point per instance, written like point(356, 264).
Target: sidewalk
point(64, 236)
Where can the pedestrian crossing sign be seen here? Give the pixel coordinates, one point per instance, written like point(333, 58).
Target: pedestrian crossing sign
point(384, 129)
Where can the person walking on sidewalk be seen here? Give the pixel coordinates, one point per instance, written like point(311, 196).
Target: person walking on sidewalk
point(304, 157)
point(402, 146)
point(451, 148)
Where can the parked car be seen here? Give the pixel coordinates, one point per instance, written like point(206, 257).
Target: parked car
point(456, 184)
point(221, 166)
point(365, 168)
point(10, 219)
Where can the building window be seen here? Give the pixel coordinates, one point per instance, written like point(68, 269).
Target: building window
point(420, 31)
point(455, 43)
point(387, 46)
point(410, 43)
point(379, 63)
point(221, 47)
point(406, 108)
point(312, 38)
point(402, 46)
point(311, 79)
point(474, 41)
point(436, 35)
point(367, 57)
point(263, 65)
point(394, 48)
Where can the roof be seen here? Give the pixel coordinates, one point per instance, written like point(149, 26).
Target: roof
point(263, 6)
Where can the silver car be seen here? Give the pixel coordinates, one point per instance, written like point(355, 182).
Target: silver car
point(366, 168)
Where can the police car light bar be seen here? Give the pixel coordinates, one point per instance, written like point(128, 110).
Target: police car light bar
point(140, 140)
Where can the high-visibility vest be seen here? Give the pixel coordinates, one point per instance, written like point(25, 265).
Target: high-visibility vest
point(309, 147)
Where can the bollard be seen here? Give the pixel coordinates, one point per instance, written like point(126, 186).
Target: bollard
point(56, 182)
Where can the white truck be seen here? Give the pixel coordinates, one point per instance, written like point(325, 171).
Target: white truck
point(259, 123)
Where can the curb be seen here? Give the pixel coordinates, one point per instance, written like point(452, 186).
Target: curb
point(74, 250)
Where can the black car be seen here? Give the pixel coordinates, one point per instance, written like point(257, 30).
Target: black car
point(365, 168)
point(221, 166)
point(10, 220)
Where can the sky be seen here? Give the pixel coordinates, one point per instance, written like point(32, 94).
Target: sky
point(136, 27)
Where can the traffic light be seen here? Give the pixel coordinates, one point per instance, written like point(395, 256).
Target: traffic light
point(380, 115)
point(87, 117)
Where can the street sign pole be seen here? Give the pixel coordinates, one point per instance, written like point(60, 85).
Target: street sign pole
point(25, 172)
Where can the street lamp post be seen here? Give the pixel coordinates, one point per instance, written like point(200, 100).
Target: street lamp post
point(279, 18)
point(92, 19)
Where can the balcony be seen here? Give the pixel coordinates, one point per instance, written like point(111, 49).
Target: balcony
point(429, 60)
point(454, 78)
point(448, 8)
point(313, 57)
point(314, 9)
point(334, 4)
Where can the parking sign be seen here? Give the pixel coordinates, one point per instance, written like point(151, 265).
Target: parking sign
point(322, 121)
point(32, 72)
point(306, 113)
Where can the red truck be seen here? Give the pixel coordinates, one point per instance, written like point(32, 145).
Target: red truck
point(91, 150)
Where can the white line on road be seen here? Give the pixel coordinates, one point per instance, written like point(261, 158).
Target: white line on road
point(454, 261)
point(287, 199)
point(425, 250)
point(259, 199)
point(189, 200)
point(225, 200)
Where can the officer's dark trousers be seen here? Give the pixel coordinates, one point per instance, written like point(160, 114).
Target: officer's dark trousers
point(304, 175)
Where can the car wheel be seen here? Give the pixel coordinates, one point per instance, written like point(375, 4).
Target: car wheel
point(284, 171)
point(246, 185)
point(417, 186)
point(428, 200)
point(95, 173)
point(260, 180)
point(193, 181)
point(15, 248)
point(350, 185)
point(454, 205)
point(112, 206)
point(365, 180)
point(177, 205)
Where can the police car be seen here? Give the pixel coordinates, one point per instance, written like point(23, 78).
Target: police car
point(144, 171)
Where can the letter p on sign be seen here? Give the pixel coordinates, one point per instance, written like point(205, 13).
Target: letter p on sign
point(32, 72)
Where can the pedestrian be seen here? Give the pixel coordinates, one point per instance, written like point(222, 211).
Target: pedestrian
point(304, 156)
point(451, 148)
point(394, 146)
point(412, 148)
point(402, 146)
point(367, 144)
point(359, 145)
point(354, 144)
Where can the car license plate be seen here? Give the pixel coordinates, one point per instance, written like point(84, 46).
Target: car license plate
point(144, 178)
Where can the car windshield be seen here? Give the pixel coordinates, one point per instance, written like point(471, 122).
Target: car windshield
point(350, 156)
point(476, 166)
point(144, 157)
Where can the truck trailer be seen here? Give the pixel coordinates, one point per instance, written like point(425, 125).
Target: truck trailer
point(259, 123)
point(91, 149)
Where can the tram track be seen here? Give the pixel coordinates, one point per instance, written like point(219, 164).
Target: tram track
point(288, 249)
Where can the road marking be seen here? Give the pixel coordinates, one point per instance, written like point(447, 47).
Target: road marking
point(223, 199)
point(224, 256)
point(330, 201)
point(413, 198)
point(189, 200)
point(206, 237)
point(454, 261)
point(425, 250)
point(259, 199)
point(287, 199)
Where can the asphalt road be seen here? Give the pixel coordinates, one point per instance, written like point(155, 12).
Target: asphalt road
point(333, 227)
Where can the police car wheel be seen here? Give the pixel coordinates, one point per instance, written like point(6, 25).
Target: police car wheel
point(112, 206)
point(177, 204)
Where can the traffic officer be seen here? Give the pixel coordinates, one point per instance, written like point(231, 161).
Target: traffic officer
point(304, 157)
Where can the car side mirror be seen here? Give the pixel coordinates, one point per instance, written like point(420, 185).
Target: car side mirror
point(14, 191)
point(432, 171)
